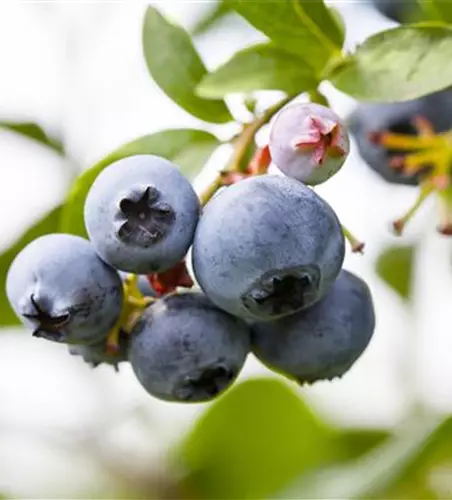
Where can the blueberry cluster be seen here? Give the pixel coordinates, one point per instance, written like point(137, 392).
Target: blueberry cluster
point(267, 253)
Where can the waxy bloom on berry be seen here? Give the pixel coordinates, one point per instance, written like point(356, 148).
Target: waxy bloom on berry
point(308, 142)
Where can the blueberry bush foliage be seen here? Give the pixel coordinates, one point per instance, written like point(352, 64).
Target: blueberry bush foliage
point(259, 439)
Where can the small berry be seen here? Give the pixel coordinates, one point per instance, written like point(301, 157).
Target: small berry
point(58, 286)
point(324, 341)
point(308, 142)
point(141, 214)
point(185, 349)
point(266, 247)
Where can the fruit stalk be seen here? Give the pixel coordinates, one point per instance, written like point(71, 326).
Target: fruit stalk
point(243, 142)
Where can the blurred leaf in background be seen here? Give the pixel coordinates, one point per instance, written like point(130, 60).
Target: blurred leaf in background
point(429, 472)
point(48, 224)
point(187, 148)
point(399, 468)
point(217, 11)
point(258, 438)
point(395, 267)
point(398, 65)
point(177, 68)
point(35, 132)
point(353, 443)
point(252, 441)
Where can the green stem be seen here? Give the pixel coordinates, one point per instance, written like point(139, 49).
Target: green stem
point(318, 97)
point(244, 141)
point(356, 245)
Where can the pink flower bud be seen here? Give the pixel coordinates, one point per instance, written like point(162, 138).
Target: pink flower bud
point(308, 142)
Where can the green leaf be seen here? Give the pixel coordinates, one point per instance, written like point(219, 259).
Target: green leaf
point(188, 148)
point(339, 20)
point(48, 224)
point(305, 28)
point(428, 474)
point(252, 441)
point(395, 267)
point(398, 65)
point(372, 474)
point(327, 19)
point(219, 10)
point(34, 132)
point(438, 10)
point(262, 67)
point(352, 443)
point(177, 68)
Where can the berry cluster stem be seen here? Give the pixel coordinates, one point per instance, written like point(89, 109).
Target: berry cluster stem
point(134, 303)
point(242, 144)
point(428, 155)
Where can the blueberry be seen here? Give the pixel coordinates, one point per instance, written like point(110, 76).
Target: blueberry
point(143, 284)
point(397, 117)
point(185, 349)
point(308, 142)
point(58, 286)
point(397, 10)
point(266, 247)
point(98, 354)
point(141, 214)
point(321, 342)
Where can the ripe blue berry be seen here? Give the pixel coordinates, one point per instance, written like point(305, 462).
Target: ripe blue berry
point(321, 342)
point(308, 142)
point(396, 10)
point(398, 118)
point(185, 349)
point(58, 286)
point(141, 214)
point(266, 247)
point(98, 354)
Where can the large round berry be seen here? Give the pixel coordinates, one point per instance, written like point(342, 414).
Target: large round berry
point(371, 118)
point(308, 142)
point(185, 349)
point(59, 287)
point(141, 214)
point(266, 247)
point(321, 342)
